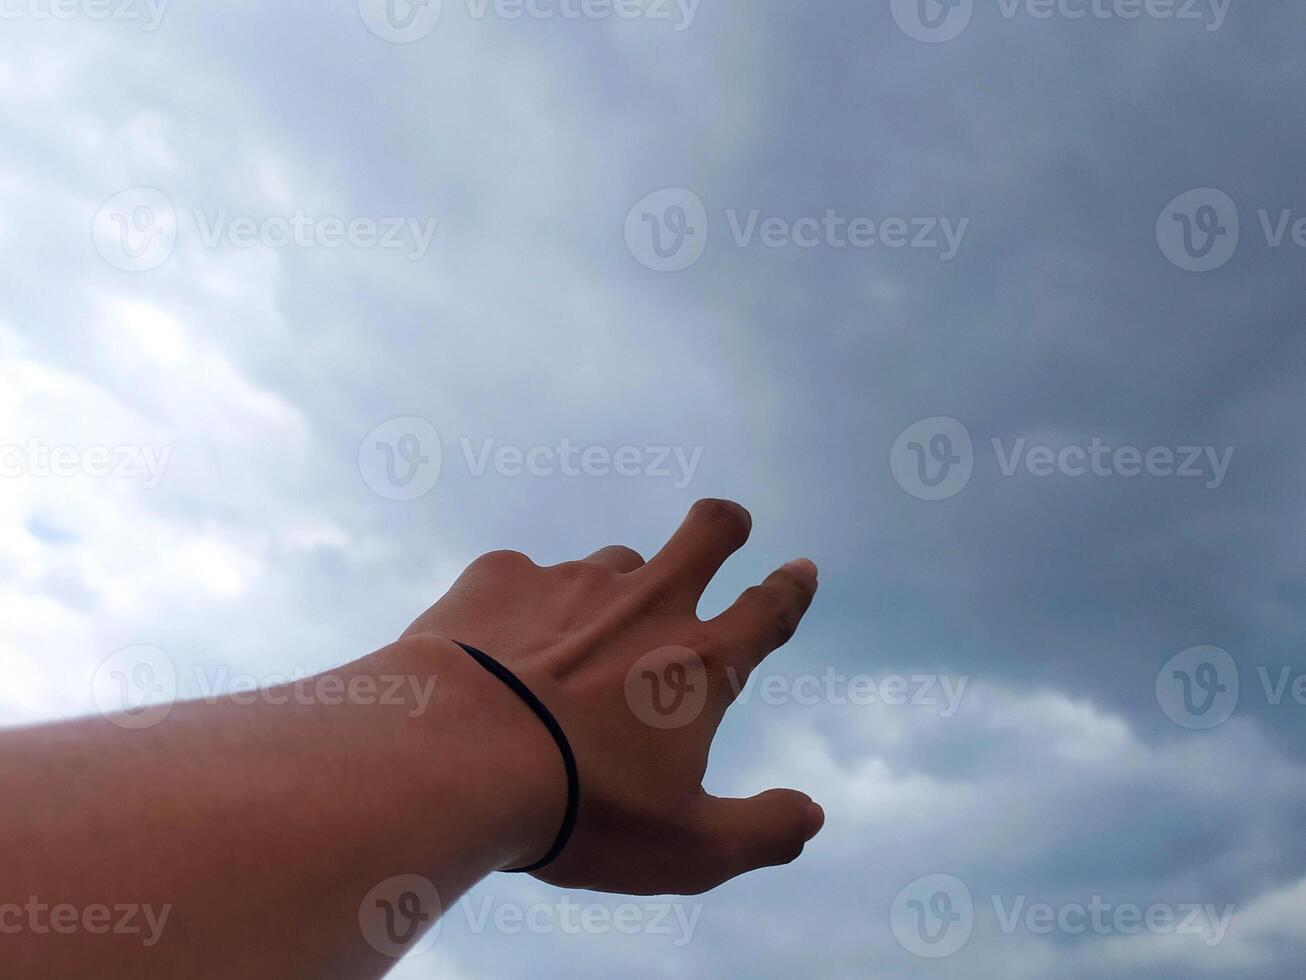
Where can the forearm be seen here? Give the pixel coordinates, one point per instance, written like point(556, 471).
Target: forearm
point(261, 827)
point(292, 837)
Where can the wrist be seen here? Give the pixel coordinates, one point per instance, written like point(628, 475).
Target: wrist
point(508, 777)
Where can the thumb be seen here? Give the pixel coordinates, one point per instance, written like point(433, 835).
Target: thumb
point(761, 831)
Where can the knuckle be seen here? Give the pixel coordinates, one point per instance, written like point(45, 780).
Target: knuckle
point(766, 600)
point(715, 660)
point(786, 625)
point(724, 679)
point(704, 643)
point(619, 553)
point(789, 851)
point(502, 561)
point(660, 595)
point(581, 572)
point(779, 610)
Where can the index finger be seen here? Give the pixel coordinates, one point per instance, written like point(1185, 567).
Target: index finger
point(711, 532)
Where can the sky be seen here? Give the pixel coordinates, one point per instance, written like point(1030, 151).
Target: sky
point(993, 308)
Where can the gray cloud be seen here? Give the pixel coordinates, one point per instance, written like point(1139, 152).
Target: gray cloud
point(1059, 320)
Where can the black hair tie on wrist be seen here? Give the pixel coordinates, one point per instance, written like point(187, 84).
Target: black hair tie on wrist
point(568, 759)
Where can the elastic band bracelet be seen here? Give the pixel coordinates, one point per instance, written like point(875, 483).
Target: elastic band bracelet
point(568, 759)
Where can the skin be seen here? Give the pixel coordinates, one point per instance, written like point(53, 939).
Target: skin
point(266, 828)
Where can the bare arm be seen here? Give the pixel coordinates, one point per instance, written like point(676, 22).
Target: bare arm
point(316, 840)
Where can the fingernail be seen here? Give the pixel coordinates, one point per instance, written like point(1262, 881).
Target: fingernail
point(815, 819)
point(804, 565)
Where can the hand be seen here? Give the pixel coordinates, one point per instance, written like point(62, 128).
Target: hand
point(614, 647)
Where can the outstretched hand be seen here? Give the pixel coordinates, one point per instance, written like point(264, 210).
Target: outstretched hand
point(614, 647)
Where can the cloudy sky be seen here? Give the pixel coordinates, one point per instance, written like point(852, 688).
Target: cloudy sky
point(993, 308)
